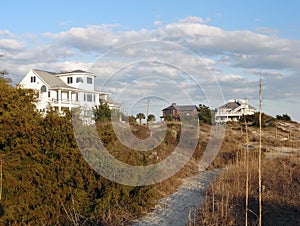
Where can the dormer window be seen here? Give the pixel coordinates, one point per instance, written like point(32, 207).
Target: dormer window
point(89, 80)
point(79, 80)
point(32, 79)
point(69, 80)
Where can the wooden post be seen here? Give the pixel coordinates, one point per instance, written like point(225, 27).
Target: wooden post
point(1, 178)
point(259, 156)
point(247, 175)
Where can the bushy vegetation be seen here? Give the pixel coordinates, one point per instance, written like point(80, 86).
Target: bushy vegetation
point(168, 118)
point(140, 116)
point(131, 120)
point(205, 114)
point(284, 117)
point(45, 179)
point(102, 112)
point(151, 118)
point(266, 120)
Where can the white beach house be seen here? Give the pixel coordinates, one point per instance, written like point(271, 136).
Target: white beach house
point(234, 110)
point(65, 90)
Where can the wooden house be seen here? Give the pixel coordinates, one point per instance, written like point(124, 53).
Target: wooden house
point(176, 111)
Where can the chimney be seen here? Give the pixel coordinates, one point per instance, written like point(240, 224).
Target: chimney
point(173, 104)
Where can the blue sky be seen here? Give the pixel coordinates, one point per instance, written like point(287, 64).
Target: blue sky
point(38, 17)
point(236, 39)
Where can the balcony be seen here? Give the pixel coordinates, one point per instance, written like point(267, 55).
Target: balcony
point(65, 103)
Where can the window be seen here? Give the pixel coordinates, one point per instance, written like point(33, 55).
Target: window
point(79, 79)
point(49, 94)
point(89, 98)
point(89, 80)
point(70, 80)
point(43, 89)
point(33, 79)
point(169, 112)
point(76, 96)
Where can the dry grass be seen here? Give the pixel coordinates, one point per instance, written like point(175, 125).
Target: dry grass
point(225, 201)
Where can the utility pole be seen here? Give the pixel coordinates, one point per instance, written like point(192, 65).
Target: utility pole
point(147, 112)
point(247, 172)
point(259, 154)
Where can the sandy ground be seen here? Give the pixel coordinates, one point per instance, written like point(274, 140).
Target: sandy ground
point(175, 209)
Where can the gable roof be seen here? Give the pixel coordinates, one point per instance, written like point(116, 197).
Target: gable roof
point(51, 79)
point(234, 104)
point(76, 71)
point(230, 105)
point(66, 73)
point(181, 107)
point(185, 107)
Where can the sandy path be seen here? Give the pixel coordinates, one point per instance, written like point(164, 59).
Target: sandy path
point(174, 209)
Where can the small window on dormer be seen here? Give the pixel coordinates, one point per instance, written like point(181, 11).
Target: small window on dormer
point(33, 79)
point(70, 80)
point(89, 80)
point(79, 80)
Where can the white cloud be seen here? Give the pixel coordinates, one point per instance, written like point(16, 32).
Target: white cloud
point(194, 20)
point(227, 53)
point(6, 33)
point(231, 78)
point(157, 22)
point(266, 31)
point(11, 45)
point(271, 74)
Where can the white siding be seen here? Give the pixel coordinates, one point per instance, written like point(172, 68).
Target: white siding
point(79, 85)
point(70, 98)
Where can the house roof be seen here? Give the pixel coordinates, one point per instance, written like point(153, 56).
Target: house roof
point(64, 73)
point(181, 107)
point(76, 71)
point(232, 105)
point(51, 80)
point(186, 108)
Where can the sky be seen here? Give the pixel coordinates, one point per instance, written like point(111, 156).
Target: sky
point(188, 52)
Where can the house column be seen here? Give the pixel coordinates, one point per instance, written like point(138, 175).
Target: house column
point(59, 101)
point(70, 100)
